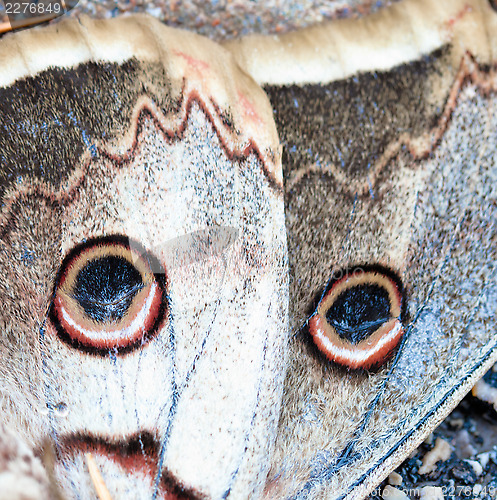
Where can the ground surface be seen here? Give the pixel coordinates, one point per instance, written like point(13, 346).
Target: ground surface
point(221, 19)
point(471, 431)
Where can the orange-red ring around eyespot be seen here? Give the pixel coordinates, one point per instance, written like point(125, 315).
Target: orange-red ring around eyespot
point(105, 337)
point(142, 321)
point(376, 348)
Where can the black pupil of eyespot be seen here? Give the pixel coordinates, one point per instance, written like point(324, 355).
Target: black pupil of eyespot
point(106, 286)
point(359, 311)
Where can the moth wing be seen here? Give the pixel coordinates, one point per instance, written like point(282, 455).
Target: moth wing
point(388, 126)
point(201, 256)
point(140, 162)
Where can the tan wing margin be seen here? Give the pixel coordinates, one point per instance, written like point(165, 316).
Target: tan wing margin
point(390, 37)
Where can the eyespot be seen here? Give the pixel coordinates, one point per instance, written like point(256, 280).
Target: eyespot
point(107, 297)
point(358, 322)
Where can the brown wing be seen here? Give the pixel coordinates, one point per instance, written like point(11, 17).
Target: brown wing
point(388, 131)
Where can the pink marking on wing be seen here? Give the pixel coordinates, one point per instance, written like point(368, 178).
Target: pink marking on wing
point(453, 20)
point(196, 64)
point(249, 109)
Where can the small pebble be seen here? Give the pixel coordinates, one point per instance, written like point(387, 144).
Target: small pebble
point(395, 479)
point(441, 451)
point(484, 458)
point(456, 423)
point(391, 493)
point(477, 468)
point(154, 11)
point(431, 493)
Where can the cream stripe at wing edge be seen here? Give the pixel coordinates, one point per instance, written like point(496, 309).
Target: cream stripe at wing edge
point(398, 34)
point(72, 42)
